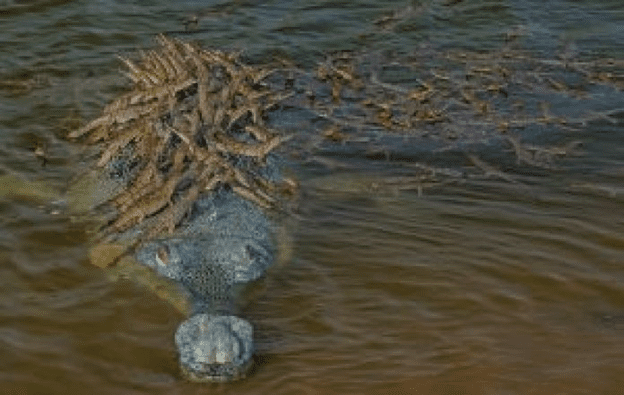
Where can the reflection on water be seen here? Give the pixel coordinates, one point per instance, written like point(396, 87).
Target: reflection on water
point(488, 286)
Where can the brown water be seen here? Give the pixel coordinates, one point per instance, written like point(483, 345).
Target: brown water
point(488, 287)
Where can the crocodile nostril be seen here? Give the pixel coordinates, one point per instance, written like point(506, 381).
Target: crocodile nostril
point(162, 255)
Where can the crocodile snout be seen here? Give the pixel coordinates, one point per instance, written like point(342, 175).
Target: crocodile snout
point(215, 348)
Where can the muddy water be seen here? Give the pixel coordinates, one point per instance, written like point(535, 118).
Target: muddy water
point(488, 287)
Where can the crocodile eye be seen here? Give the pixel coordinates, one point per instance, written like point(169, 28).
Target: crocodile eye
point(162, 255)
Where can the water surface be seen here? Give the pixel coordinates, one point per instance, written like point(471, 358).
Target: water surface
point(489, 286)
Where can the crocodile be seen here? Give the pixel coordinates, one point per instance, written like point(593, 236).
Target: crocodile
point(186, 195)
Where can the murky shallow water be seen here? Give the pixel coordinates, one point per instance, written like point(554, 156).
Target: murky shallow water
point(488, 287)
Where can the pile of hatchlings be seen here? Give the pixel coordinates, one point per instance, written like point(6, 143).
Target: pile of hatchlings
point(191, 115)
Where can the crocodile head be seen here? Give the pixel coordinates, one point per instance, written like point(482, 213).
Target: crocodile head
point(225, 245)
